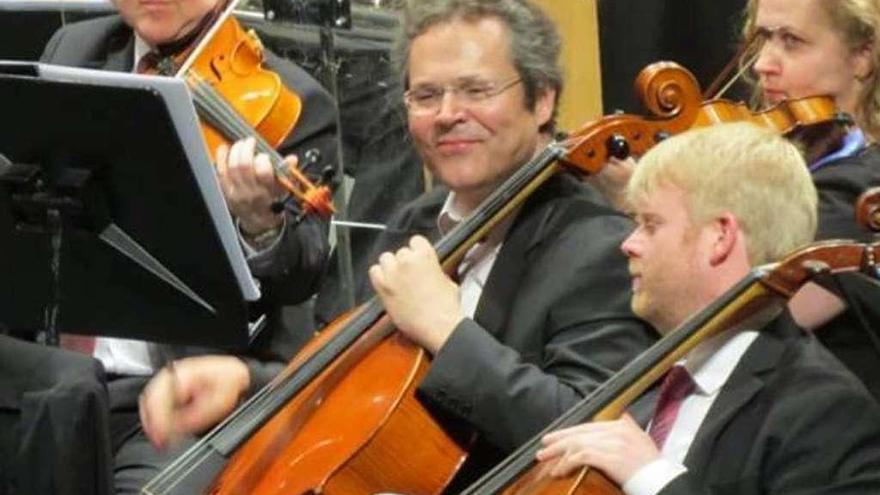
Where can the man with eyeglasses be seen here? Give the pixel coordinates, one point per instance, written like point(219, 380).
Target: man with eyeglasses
point(540, 314)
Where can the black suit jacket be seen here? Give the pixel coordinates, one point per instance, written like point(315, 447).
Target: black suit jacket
point(553, 321)
point(790, 420)
point(54, 424)
point(290, 272)
point(839, 184)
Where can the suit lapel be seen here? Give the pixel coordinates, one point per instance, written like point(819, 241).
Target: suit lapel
point(120, 49)
point(121, 59)
point(746, 381)
point(503, 282)
point(117, 53)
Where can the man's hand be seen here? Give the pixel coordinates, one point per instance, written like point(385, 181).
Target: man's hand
point(190, 397)
point(421, 300)
point(611, 181)
point(249, 185)
point(619, 448)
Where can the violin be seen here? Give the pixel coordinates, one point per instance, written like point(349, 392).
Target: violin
point(236, 97)
point(341, 418)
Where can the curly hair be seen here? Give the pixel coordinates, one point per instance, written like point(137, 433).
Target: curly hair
point(534, 41)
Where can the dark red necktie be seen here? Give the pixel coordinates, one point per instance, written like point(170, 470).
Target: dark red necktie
point(79, 343)
point(148, 63)
point(677, 385)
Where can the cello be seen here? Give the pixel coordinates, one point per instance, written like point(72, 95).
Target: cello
point(331, 423)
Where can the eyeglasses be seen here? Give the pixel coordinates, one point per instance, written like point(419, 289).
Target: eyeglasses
point(427, 99)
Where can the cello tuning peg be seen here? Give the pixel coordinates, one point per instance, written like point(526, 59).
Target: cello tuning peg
point(618, 147)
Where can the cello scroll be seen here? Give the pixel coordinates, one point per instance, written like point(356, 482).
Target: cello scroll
point(672, 95)
point(868, 210)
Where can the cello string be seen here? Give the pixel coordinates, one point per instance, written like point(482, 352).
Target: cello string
point(194, 456)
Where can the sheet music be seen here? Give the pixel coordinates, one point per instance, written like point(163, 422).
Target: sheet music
point(179, 104)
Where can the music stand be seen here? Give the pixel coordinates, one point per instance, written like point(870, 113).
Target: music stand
point(113, 166)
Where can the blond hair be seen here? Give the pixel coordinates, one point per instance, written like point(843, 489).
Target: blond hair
point(858, 24)
point(740, 168)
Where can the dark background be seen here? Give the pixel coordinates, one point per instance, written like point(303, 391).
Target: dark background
point(699, 34)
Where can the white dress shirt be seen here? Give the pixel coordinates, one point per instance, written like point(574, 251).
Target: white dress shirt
point(477, 263)
point(710, 364)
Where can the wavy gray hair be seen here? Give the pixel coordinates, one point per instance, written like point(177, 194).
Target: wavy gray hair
point(534, 40)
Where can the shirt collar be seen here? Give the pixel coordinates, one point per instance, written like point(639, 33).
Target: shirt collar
point(712, 361)
point(853, 142)
point(141, 48)
point(450, 216)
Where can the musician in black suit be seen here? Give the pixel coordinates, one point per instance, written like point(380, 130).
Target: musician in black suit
point(538, 316)
point(764, 410)
point(285, 256)
point(827, 47)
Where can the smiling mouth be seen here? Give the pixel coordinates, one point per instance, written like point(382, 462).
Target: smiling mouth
point(457, 145)
point(455, 142)
point(154, 4)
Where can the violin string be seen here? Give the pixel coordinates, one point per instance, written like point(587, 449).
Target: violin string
point(742, 70)
point(165, 484)
point(246, 416)
point(230, 123)
point(735, 60)
point(219, 113)
point(220, 14)
point(233, 126)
